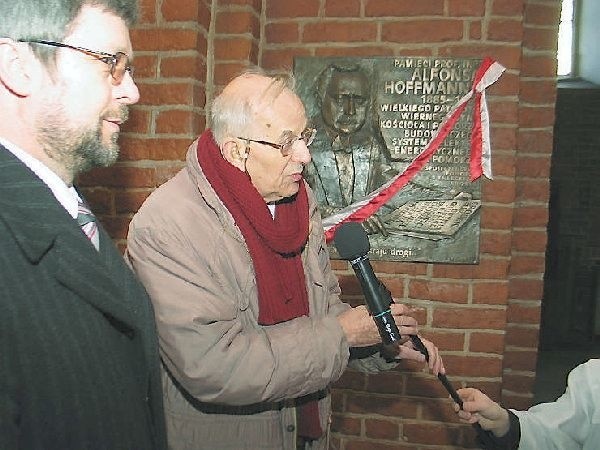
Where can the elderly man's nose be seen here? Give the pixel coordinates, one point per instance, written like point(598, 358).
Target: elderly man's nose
point(301, 152)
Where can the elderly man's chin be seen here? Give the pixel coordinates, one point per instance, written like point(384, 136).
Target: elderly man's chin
point(283, 195)
point(291, 191)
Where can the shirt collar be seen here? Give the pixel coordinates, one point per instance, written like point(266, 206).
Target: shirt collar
point(67, 196)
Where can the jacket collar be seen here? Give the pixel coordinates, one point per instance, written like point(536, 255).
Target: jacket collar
point(208, 193)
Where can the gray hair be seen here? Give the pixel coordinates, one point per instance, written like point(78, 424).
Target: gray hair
point(52, 20)
point(232, 115)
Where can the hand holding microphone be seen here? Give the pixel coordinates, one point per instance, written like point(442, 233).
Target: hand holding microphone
point(353, 245)
point(362, 331)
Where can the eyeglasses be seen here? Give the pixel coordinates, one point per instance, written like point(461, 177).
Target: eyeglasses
point(307, 135)
point(119, 62)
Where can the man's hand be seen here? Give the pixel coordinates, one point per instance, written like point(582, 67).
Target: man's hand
point(408, 351)
point(478, 407)
point(361, 331)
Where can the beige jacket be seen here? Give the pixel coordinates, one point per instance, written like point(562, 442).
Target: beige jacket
point(229, 382)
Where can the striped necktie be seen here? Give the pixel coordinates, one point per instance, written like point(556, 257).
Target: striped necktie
point(87, 222)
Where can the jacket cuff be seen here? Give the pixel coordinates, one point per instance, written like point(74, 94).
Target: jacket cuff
point(510, 441)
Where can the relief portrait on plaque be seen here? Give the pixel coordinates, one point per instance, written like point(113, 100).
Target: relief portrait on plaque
point(373, 117)
point(349, 157)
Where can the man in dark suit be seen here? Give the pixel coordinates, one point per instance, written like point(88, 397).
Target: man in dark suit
point(79, 366)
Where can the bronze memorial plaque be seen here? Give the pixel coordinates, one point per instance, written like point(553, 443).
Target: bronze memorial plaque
point(374, 116)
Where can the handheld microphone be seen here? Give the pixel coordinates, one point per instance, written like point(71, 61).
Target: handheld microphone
point(352, 244)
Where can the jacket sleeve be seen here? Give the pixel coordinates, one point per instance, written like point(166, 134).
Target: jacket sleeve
point(209, 339)
point(568, 422)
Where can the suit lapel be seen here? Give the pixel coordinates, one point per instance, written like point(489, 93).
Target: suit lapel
point(48, 235)
point(82, 270)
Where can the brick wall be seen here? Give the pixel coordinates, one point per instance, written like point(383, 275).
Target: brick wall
point(485, 318)
point(535, 112)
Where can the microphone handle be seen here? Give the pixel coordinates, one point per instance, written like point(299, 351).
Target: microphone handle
point(378, 299)
point(485, 436)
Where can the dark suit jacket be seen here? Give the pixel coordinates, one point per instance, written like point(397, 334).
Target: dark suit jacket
point(79, 365)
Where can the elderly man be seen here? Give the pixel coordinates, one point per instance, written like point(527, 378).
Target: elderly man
point(79, 364)
point(232, 253)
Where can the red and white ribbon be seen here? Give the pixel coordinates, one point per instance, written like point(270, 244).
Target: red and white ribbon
point(479, 162)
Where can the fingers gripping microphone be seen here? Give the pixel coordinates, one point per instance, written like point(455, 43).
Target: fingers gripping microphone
point(352, 244)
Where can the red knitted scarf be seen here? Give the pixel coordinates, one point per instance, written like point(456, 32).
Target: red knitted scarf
point(275, 244)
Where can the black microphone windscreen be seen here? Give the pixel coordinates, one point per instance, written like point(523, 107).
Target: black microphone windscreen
point(351, 241)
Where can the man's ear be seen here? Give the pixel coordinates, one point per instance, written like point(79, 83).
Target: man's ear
point(15, 66)
point(235, 151)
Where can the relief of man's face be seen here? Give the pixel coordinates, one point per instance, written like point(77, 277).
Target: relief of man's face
point(346, 102)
